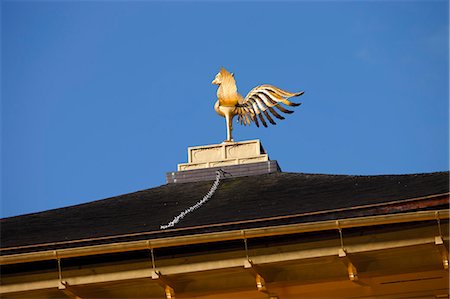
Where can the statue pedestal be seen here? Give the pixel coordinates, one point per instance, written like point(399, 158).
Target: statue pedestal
point(224, 154)
point(238, 159)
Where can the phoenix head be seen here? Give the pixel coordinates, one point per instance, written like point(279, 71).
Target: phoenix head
point(223, 76)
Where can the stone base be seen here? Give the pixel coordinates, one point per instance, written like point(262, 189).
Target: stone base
point(224, 154)
point(232, 171)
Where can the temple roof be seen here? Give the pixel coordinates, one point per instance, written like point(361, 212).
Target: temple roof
point(239, 203)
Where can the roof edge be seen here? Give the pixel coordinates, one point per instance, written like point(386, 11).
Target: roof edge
point(225, 236)
point(382, 208)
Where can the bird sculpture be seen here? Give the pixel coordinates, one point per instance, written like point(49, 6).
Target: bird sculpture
point(258, 101)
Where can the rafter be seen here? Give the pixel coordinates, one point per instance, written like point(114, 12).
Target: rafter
point(68, 290)
point(165, 283)
point(260, 278)
point(443, 250)
point(351, 269)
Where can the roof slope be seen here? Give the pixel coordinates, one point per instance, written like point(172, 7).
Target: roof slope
point(237, 199)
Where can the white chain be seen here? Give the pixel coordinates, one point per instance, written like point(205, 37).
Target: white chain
point(199, 203)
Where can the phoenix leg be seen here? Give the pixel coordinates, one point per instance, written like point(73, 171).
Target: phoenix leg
point(229, 120)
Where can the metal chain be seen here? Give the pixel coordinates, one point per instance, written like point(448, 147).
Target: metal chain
point(205, 198)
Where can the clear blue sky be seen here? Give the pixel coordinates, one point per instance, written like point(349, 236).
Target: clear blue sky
point(103, 98)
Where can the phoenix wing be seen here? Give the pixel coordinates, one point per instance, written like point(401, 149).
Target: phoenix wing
point(264, 99)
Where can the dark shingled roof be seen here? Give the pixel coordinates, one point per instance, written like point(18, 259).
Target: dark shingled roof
point(238, 203)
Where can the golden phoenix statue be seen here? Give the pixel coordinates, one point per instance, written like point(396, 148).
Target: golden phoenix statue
point(253, 106)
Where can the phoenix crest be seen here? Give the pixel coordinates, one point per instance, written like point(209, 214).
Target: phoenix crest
point(254, 106)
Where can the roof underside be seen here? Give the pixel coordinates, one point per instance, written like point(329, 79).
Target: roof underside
point(238, 203)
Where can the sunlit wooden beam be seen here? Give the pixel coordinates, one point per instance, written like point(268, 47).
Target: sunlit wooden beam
point(165, 283)
point(256, 271)
point(443, 250)
point(68, 290)
point(351, 269)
